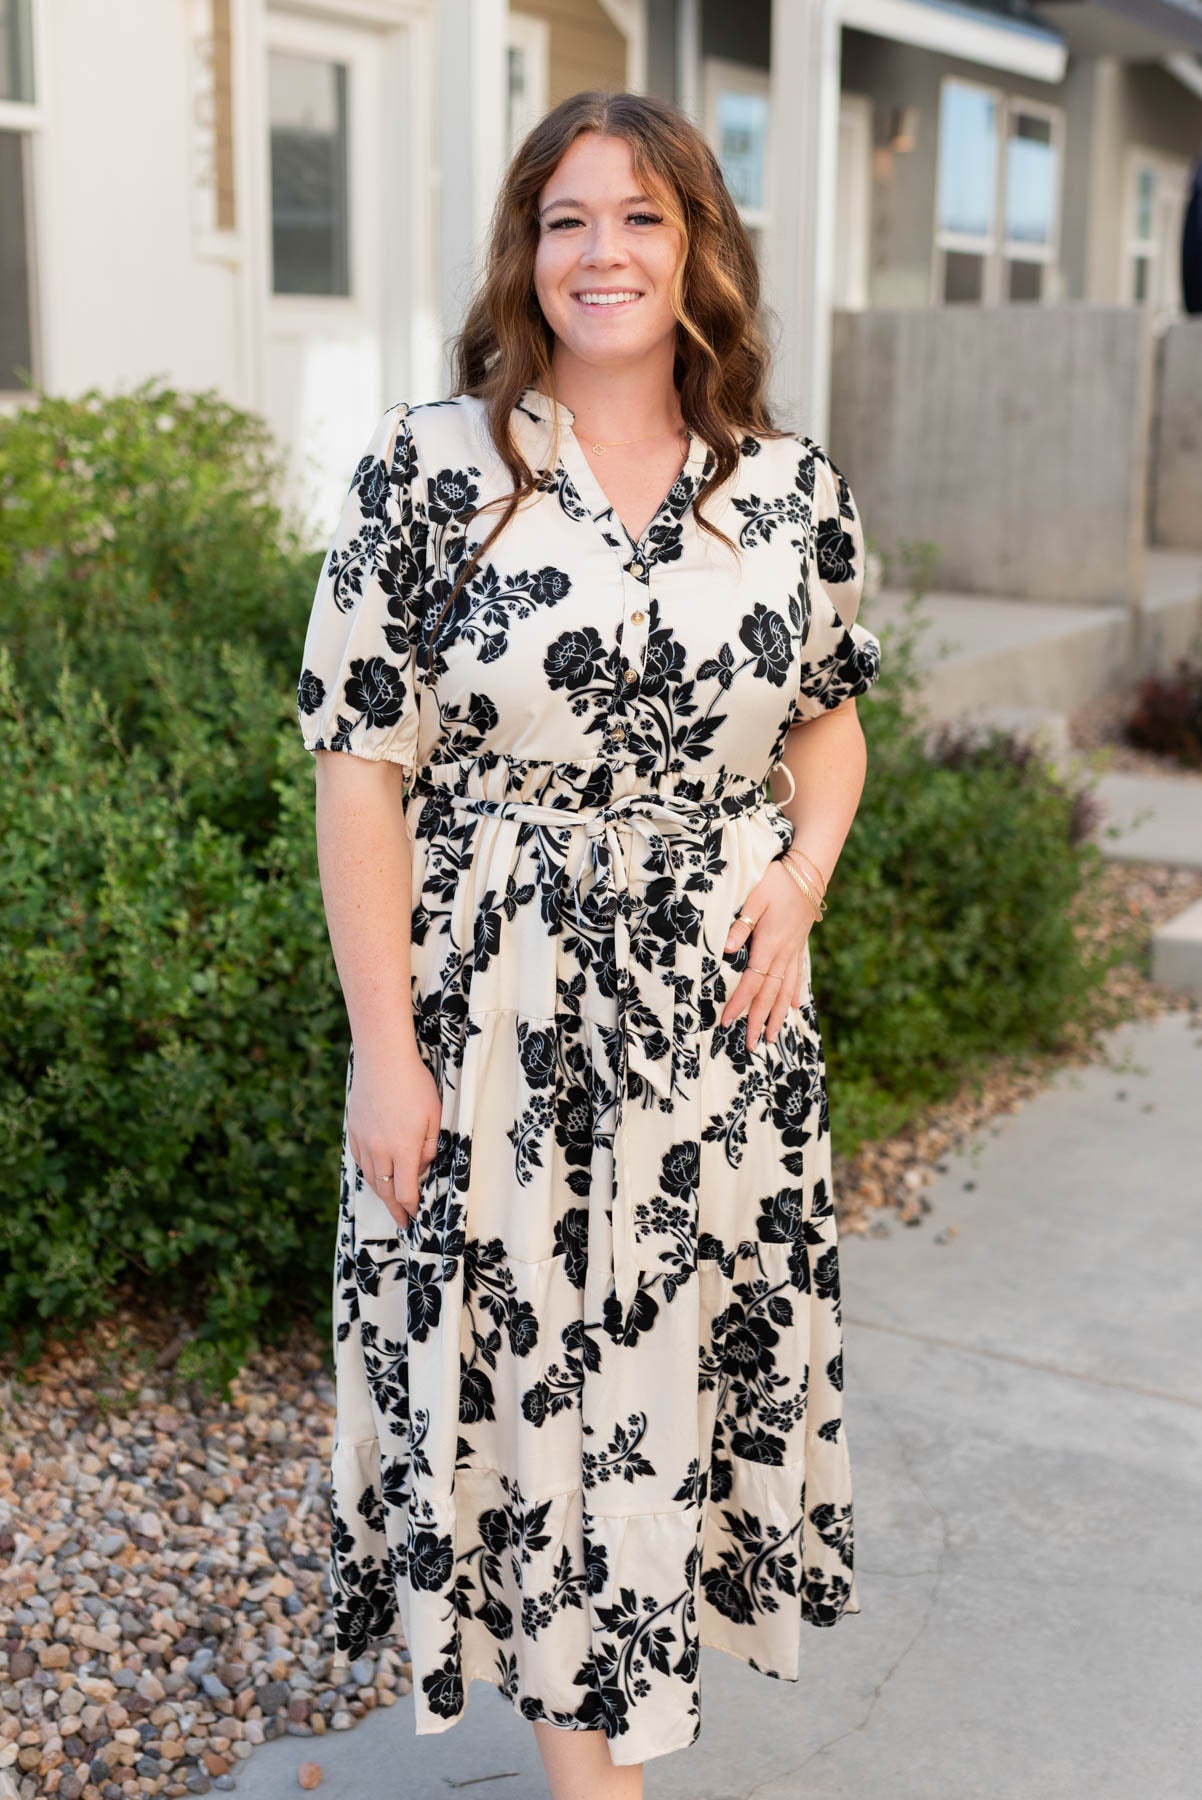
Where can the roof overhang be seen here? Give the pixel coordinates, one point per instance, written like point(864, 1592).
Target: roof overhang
point(1188, 71)
point(1132, 30)
point(992, 39)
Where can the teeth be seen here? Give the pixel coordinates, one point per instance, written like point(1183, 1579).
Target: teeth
point(605, 299)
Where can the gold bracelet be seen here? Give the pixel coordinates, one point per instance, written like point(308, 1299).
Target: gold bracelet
point(804, 885)
point(796, 850)
point(805, 872)
point(804, 875)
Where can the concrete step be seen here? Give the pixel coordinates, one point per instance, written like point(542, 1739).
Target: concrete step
point(1177, 951)
point(977, 650)
point(1158, 818)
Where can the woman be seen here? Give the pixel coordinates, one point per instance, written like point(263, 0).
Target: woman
point(587, 1300)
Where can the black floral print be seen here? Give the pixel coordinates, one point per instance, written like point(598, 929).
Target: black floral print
point(590, 1409)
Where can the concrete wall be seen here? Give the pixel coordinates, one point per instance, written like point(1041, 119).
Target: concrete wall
point(1015, 438)
point(1176, 474)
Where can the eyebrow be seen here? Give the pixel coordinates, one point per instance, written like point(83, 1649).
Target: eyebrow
point(583, 204)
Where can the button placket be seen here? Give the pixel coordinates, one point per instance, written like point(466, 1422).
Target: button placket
point(634, 637)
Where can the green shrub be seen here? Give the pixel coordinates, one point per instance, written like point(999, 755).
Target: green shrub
point(169, 1083)
point(144, 532)
point(959, 915)
point(172, 1064)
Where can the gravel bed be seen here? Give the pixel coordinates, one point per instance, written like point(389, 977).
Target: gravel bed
point(163, 1581)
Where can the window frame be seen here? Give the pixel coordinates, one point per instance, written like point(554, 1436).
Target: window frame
point(26, 120)
point(1139, 157)
point(719, 75)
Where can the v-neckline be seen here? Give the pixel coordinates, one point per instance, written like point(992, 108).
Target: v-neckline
point(579, 469)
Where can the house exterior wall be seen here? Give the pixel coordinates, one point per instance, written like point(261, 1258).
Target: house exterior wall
point(587, 49)
point(123, 293)
point(1139, 105)
point(904, 183)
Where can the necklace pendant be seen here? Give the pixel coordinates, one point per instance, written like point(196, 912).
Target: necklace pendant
point(599, 449)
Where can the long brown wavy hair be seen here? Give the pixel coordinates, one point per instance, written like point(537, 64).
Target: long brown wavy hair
point(721, 361)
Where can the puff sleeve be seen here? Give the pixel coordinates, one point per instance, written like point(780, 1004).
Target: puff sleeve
point(357, 689)
point(839, 658)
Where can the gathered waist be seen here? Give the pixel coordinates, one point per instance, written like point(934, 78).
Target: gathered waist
point(590, 794)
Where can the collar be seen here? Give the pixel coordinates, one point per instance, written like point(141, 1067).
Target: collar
point(544, 407)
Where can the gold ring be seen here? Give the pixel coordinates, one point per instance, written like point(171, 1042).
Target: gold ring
point(767, 972)
point(744, 920)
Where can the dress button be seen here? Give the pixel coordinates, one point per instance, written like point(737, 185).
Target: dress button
point(618, 732)
point(629, 675)
point(636, 618)
point(636, 568)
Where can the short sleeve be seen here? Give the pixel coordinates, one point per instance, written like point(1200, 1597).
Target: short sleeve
point(839, 658)
point(357, 689)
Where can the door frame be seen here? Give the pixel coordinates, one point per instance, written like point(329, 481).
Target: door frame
point(853, 180)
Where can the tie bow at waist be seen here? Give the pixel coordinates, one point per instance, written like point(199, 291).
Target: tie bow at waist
point(647, 893)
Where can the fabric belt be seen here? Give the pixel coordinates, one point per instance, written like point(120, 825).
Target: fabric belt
point(658, 1040)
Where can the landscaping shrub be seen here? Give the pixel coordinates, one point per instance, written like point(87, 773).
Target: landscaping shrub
point(960, 914)
point(1168, 715)
point(172, 1063)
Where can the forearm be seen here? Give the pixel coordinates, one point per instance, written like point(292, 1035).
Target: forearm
point(827, 758)
point(366, 885)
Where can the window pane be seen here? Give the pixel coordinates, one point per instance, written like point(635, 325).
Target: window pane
point(1025, 280)
point(16, 335)
point(1142, 284)
point(16, 51)
point(963, 276)
point(742, 137)
point(1030, 181)
point(967, 160)
point(1145, 196)
point(309, 249)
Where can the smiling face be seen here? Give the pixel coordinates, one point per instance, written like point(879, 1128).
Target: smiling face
point(606, 256)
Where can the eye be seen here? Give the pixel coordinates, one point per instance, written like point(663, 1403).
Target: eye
point(651, 218)
point(557, 224)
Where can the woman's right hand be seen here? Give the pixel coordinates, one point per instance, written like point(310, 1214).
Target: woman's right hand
point(393, 1114)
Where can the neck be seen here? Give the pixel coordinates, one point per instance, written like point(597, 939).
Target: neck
point(613, 402)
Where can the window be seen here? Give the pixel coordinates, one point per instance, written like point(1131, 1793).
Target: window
point(309, 179)
point(1032, 185)
point(16, 51)
point(18, 321)
point(998, 198)
point(737, 126)
point(1155, 209)
point(527, 59)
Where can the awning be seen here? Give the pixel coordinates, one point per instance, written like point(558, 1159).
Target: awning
point(995, 40)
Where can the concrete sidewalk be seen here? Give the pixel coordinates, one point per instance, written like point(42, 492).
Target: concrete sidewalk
point(1024, 1410)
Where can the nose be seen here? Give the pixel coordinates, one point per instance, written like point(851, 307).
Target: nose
point(603, 245)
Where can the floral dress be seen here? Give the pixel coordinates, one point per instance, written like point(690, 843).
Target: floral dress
point(589, 1402)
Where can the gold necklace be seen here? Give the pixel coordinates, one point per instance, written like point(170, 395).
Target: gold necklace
point(600, 449)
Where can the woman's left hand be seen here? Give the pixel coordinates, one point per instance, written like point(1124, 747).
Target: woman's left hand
point(783, 920)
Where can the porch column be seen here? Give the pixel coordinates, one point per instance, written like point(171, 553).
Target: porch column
point(804, 131)
point(471, 146)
